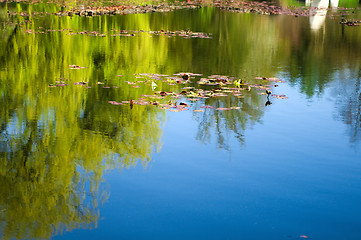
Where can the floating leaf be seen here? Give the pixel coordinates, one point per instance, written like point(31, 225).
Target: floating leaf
point(279, 96)
point(183, 104)
point(115, 103)
point(220, 95)
point(76, 67)
point(81, 83)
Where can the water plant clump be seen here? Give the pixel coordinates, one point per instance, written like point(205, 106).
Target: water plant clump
point(183, 99)
point(184, 90)
point(125, 33)
point(139, 7)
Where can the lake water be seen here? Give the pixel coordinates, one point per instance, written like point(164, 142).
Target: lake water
point(95, 143)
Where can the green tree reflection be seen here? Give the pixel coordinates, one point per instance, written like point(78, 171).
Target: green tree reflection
point(56, 143)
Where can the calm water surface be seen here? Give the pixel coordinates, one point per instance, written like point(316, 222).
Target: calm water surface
point(74, 166)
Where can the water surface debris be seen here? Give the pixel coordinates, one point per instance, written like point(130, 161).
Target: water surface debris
point(74, 66)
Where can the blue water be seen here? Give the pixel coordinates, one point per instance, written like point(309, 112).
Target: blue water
point(290, 178)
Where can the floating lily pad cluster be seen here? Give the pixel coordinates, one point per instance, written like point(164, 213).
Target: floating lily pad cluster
point(130, 9)
point(121, 8)
point(127, 33)
point(239, 6)
point(182, 100)
point(350, 22)
point(269, 8)
point(192, 88)
point(60, 83)
point(183, 33)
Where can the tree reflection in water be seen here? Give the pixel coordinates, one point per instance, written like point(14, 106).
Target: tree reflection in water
point(348, 104)
point(57, 143)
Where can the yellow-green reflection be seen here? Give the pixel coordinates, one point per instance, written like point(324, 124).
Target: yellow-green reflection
point(57, 142)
